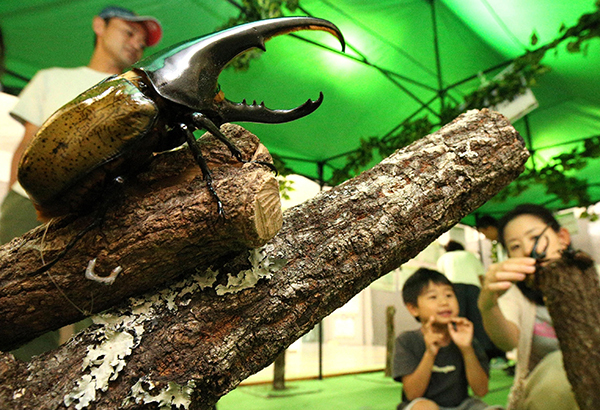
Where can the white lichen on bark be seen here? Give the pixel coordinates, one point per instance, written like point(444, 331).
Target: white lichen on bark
point(172, 395)
point(123, 328)
point(122, 332)
point(104, 362)
point(262, 267)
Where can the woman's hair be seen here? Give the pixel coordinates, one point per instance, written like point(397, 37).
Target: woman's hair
point(454, 246)
point(485, 221)
point(538, 211)
point(527, 209)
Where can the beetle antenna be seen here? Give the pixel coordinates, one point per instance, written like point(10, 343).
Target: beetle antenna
point(97, 221)
point(72, 242)
point(52, 277)
point(43, 240)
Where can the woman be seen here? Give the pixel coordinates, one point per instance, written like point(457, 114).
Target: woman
point(514, 314)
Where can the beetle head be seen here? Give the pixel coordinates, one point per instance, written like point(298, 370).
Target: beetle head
point(187, 73)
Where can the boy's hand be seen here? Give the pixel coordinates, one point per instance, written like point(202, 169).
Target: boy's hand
point(461, 332)
point(432, 339)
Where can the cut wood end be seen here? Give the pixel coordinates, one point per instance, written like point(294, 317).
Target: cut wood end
point(268, 215)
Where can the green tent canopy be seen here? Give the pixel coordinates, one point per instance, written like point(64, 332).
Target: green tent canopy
point(400, 54)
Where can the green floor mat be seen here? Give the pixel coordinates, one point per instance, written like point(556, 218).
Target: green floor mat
point(367, 391)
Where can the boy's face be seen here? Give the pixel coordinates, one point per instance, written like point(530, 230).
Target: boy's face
point(437, 300)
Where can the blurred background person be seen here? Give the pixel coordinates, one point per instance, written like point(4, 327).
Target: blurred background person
point(121, 37)
point(488, 226)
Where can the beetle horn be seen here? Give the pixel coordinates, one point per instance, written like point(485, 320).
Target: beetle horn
point(231, 112)
point(187, 73)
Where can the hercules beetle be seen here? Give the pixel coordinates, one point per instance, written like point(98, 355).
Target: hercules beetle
point(533, 281)
point(113, 128)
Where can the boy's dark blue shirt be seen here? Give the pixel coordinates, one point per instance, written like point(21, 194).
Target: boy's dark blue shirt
point(448, 386)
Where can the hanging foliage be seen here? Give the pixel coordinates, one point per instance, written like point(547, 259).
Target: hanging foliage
point(254, 10)
point(557, 175)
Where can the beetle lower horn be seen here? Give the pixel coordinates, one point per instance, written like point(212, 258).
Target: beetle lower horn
point(232, 112)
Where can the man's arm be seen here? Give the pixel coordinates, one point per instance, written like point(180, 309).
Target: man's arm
point(30, 131)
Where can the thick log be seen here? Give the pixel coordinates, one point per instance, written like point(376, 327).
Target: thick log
point(190, 347)
point(572, 294)
point(162, 223)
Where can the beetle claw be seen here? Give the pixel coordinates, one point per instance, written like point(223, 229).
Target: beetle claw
point(202, 121)
point(189, 136)
point(107, 280)
point(266, 164)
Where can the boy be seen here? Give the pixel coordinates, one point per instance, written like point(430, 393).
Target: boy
point(438, 362)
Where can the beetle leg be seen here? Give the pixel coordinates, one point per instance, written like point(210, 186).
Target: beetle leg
point(107, 280)
point(189, 136)
point(202, 121)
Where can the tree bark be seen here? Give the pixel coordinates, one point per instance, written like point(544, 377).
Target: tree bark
point(163, 222)
point(572, 294)
point(189, 347)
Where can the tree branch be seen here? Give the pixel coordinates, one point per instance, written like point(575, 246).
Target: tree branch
point(194, 346)
point(572, 293)
point(161, 223)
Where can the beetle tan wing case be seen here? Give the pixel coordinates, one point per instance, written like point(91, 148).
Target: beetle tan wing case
point(75, 143)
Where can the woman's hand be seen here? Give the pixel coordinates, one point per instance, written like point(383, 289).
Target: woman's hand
point(501, 276)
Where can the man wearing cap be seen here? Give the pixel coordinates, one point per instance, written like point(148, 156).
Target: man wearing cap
point(121, 37)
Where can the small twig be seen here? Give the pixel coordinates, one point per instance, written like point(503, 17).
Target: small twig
point(43, 240)
point(107, 280)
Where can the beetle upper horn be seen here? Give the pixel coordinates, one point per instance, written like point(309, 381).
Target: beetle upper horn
point(187, 73)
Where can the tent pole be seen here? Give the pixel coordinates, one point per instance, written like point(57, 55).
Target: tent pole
point(560, 144)
point(438, 63)
point(529, 141)
point(320, 166)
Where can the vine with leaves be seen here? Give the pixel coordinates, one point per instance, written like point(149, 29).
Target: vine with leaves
point(557, 175)
point(254, 10)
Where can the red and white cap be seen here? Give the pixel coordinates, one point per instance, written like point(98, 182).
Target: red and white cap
point(152, 25)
